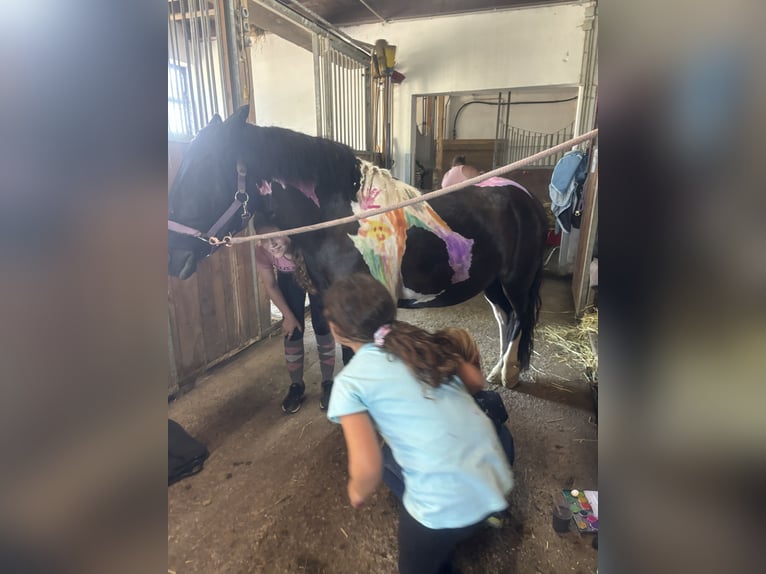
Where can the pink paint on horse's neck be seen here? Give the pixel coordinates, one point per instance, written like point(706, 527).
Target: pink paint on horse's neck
point(265, 188)
point(307, 188)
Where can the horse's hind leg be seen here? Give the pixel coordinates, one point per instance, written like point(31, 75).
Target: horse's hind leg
point(501, 307)
point(508, 368)
point(523, 293)
point(509, 362)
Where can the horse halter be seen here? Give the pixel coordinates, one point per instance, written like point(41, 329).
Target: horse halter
point(240, 201)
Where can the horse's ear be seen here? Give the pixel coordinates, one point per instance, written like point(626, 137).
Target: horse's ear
point(240, 116)
point(206, 133)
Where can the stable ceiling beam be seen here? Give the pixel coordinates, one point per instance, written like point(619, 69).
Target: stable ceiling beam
point(296, 28)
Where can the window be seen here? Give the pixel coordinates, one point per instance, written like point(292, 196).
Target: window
point(179, 103)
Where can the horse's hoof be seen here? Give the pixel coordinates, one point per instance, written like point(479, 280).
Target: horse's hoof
point(495, 377)
point(511, 375)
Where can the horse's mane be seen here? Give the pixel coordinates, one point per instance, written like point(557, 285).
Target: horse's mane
point(391, 189)
point(287, 155)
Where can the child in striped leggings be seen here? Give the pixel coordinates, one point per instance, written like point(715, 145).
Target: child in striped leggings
point(287, 288)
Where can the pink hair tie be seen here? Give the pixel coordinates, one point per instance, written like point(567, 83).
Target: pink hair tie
point(380, 334)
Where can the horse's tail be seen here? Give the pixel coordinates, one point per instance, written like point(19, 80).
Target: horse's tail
point(532, 302)
point(528, 318)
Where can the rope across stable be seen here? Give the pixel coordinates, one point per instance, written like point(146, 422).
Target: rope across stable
point(425, 197)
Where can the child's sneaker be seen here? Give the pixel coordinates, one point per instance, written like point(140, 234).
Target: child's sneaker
point(292, 402)
point(324, 401)
point(496, 520)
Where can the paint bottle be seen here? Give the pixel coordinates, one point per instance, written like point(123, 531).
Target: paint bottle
point(562, 515)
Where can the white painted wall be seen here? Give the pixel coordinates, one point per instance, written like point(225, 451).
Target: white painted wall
point(520, 48)
point(283, 79)
point(473, 52)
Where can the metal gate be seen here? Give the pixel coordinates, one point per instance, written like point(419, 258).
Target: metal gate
point(342, 86)
point(513, 143)
point(196, 60)
point(521, 143)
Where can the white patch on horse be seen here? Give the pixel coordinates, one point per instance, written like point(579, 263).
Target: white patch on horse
point(511, 368)
point(409, 294)
point(502, 322)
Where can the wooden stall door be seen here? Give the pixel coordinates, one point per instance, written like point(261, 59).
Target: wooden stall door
point(219, 311)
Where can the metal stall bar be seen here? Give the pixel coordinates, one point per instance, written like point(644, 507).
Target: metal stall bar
point(354, 81)
point(335, 95)
point(348, 102)
point(507, 150)
point(328, 90)
point(316, 47)
point(497, 129)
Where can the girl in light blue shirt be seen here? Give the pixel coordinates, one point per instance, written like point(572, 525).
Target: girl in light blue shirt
point(413, 388)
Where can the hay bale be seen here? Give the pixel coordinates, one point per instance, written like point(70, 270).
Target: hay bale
point(573, 344)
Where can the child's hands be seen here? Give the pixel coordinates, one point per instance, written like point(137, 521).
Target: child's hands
point(365, 461)
point(290, 324)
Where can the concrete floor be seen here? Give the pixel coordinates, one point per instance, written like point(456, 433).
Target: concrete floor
point(272, 496)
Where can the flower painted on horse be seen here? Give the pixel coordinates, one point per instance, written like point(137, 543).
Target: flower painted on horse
point(381, 243)
point(376, 229)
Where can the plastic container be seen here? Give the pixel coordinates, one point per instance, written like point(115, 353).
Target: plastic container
point(562, 516)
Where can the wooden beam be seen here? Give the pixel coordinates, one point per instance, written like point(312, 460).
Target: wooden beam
point(588, 228)
point(429, 115)
point(266, 19)
point(185, 16)
point(294, 27)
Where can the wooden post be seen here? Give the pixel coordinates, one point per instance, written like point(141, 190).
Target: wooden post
point(429, 115)
point(588, 228)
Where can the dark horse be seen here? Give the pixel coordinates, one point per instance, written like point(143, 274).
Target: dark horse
point(488, 238)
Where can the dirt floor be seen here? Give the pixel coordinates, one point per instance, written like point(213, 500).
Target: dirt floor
point(272, 495)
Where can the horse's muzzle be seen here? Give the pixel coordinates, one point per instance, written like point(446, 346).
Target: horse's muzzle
point(181, 264)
